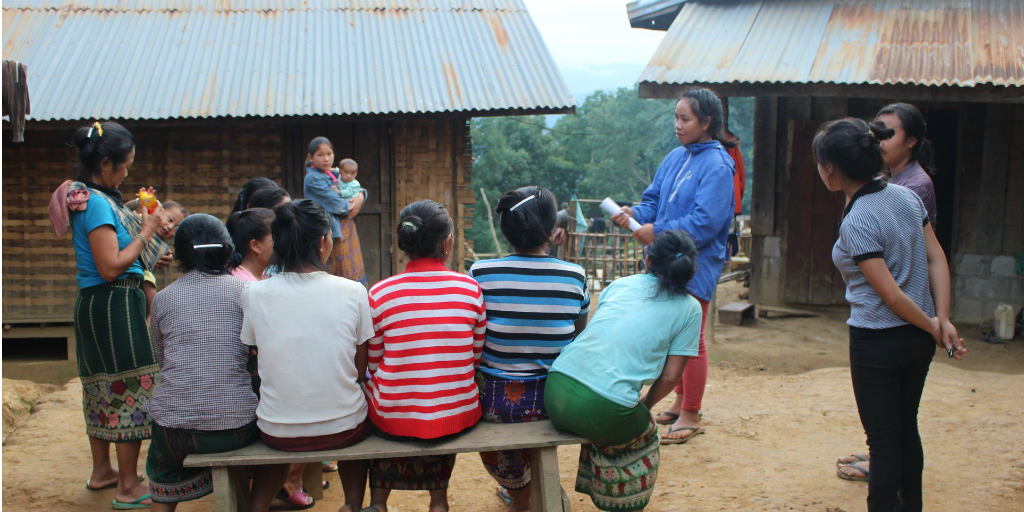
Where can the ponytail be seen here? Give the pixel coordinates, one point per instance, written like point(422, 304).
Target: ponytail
point(297, 229)
point(527, 216)
point(422, 229)
point(202, 243)
point(673, 258)
point(99, 141)
point(852, 145)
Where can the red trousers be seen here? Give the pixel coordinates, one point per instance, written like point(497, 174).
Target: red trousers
point(695, 375)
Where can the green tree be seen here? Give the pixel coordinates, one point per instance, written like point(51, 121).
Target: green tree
point(510, 152)
point(617, 141)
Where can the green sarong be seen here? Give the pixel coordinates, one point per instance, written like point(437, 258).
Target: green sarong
point(169, 480)
point(619, 467)
point(116, 360)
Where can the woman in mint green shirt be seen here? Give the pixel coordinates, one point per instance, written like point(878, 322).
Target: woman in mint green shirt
point(644, 330)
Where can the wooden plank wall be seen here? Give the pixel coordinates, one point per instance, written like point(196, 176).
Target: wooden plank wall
point(433, 161)
point(990, 180)
point(201, 167)
point(806, 215)
point(987, 214)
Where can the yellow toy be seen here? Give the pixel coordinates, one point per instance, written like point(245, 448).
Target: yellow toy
point(148, 200)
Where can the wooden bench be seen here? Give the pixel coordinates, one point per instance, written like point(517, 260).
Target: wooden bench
point(231, 490)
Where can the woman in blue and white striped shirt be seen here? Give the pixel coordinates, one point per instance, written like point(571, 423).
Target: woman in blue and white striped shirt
point(536, 305)
point(897, 283)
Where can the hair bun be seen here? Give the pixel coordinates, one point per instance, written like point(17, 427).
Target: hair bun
point(866, 140)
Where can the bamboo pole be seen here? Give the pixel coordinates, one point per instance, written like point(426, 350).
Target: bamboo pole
point(490, 221)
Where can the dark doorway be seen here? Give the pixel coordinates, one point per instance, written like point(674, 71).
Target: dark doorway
point(942, 131)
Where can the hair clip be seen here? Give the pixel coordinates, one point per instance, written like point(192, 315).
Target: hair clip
point(207, 246)
point(520, 203)
point(410, 224)
point(98, 127)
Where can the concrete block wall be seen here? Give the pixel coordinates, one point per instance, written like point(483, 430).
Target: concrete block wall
point(983, 281)
point(767, 288)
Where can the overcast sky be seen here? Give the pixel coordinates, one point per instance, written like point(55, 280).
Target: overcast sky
point(592, 43)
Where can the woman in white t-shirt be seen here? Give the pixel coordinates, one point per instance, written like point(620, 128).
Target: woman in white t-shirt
point(311, 330)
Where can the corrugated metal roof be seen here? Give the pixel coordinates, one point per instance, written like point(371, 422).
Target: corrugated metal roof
point(280, 58)
point(919, 42)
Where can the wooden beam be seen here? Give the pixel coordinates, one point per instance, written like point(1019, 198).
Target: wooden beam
point(968, 198)
point(803, 180)
point(762, 208)
point(977, 94)
point(992, 181)
point(1013, 230)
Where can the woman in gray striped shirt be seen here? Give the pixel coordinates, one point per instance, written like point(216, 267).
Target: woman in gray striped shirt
point(897, 283)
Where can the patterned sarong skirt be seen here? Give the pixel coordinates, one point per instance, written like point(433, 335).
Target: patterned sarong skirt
point(346, 259)
point(169, 480)
point(116, 360)
point(510, 401)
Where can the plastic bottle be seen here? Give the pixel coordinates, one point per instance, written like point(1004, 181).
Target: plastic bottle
point(1004, 321)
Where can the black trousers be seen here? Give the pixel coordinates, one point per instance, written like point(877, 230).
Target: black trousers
point(889, 367)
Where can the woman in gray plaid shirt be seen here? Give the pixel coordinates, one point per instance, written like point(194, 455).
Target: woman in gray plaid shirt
point(196, 326)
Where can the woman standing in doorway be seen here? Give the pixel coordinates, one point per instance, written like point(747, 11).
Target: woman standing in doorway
point(116, 359)
point(321, 185)
point(692, 192)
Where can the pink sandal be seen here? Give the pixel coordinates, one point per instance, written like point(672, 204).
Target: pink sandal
point(299, 500)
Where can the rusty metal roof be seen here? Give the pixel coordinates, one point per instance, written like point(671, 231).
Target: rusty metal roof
point(919, 42)
point(162, 59)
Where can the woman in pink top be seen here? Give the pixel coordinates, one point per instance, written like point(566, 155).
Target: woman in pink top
point(250, 232)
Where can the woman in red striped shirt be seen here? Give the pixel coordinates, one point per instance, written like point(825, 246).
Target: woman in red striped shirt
point(429, 325)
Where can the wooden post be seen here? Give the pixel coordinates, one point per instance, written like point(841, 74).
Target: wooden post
point(490, 221)
point(313, 480)
point(545, 485)
point(231, 494)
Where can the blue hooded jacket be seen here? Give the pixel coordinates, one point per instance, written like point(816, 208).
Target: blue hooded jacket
point(693, 192)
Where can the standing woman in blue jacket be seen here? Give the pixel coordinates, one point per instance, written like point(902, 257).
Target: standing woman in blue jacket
point(692, 192)
point(321, 185)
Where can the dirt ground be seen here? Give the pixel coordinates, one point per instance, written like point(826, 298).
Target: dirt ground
point(778, 409)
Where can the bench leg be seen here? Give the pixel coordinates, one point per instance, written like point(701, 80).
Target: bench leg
point(545, 486)
point(313, 480)
point(230, 489)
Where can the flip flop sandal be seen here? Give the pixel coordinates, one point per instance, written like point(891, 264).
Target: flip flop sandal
point(297, 500)
point(329, 467)
point(132, 505)
point(112, 485)
point(502, 493)
point(844, 476)
point(859, 457)
point(696, 432)
point(672, 417)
